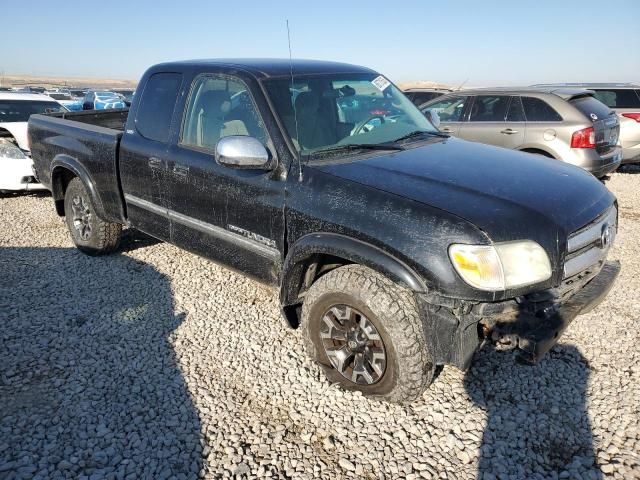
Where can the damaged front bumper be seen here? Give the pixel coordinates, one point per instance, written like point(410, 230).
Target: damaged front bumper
point(533, 323)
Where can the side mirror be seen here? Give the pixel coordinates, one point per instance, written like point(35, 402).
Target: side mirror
point(241, 151)
point(433, 117)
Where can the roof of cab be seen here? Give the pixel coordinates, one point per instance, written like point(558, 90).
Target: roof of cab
point(270, 67)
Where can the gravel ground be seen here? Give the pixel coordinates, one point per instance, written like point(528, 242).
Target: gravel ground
point(155, 363)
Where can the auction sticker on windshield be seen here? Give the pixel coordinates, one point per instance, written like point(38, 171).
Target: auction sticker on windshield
point(380, 83)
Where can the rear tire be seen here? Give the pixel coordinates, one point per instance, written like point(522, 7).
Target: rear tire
point(90, 234)
point(366, 333)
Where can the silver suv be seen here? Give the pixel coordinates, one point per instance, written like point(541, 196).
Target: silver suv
point(561, 123)
point(624, 99)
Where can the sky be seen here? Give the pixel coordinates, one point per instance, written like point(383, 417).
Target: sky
point(482, 42)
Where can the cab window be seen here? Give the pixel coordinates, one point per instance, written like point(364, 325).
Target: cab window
point(219, 106)
point(153, 119)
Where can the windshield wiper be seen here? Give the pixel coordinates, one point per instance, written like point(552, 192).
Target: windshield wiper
point(419, 133)
point(360, 146)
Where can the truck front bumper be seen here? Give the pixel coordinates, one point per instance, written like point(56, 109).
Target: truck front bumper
point(533, 324)
point(537, 334)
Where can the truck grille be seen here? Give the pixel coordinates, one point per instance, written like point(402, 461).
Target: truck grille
point(589, 246)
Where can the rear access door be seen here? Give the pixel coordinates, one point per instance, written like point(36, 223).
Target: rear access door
point(144, 165)
point(606, 125)
point(496, 120)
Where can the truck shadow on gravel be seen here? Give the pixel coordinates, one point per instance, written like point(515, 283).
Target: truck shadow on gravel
point(537, 425)
point(89, 384)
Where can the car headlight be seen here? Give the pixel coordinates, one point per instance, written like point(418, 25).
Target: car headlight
point(501, 266)
point(10, 150)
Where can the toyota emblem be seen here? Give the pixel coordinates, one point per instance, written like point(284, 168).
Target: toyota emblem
point(605, 236)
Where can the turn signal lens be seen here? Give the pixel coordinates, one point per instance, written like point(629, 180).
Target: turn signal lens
point(501, 266)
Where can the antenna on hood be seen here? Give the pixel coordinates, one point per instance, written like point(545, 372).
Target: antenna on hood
point(295, 113)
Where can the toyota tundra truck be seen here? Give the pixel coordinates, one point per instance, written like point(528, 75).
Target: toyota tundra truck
point(395, 248)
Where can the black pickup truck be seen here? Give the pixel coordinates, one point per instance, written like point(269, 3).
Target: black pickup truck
point(395, 248)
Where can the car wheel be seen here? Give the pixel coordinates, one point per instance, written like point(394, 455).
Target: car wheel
point(89, 233)
point(367, 334)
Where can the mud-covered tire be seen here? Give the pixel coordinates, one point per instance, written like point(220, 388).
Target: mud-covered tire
point(90, 234)
point(393, 311)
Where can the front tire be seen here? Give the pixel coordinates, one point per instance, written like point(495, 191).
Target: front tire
point(366, 333)
point(90, 234)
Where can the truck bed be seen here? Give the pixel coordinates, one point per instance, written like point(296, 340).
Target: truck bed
point(114, 119)
point(88, 143)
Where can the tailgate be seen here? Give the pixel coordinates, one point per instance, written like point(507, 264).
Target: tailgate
point(606, 125)
point(607, 133)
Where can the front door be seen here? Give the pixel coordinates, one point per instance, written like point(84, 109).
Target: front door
point(450, 111)
point(233, 216)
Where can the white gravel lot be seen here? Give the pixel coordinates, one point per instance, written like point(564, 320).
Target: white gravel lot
point(155, 363)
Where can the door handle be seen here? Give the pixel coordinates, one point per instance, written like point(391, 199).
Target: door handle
point(508, 131)
point(181, 170)
point(155, 162)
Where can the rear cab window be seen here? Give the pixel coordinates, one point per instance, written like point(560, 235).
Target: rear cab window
point(619, 98)
point(591, 107)
point(155, 111)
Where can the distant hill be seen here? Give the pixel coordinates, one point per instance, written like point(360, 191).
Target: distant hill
point(17, 80)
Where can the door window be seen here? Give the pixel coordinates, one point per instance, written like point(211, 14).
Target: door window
point(449, 109)
point(220, 106)
point(537, 110)
point(516, 112)
point(153, 120)
point(489, 108)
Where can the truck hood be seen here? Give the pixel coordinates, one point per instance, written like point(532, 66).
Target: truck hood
point(19, 131)
point(505, 193)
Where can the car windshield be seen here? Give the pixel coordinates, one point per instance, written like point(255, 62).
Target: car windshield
point(106, 95)
point(339, 110)
point(21, 110)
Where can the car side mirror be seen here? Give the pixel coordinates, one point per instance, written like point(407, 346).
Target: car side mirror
point(433, 117)
point(241, 151)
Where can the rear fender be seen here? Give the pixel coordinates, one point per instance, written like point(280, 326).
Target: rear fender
point(59, 167)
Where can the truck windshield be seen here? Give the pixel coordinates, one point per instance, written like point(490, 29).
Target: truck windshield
point(324, 112)
point(21, 110)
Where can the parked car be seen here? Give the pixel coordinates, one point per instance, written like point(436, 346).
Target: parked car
point(395, 247)
point(101, 100)
point(420, 96)
point(66, 100)
point(16, 166)
point(624, 99)
point(126, 95)
point(78, 94)
point(562, 123)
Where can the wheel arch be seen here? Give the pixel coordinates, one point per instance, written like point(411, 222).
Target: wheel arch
point(63, 169)
point(316, 254)
point(539, 151)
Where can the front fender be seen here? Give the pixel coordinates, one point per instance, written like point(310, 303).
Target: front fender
point(348, 249)
point(62, 163)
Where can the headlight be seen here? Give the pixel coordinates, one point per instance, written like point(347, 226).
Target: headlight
point(501, 266)
point(9, 150)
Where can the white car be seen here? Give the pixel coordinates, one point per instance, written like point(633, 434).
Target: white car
point(16, 172)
